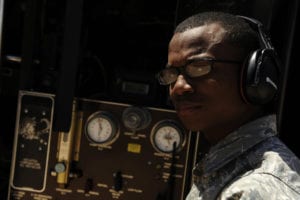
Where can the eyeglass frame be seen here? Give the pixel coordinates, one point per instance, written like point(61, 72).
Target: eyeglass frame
point(182, 69)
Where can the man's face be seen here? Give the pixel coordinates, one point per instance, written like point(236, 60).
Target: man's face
point(211, 103)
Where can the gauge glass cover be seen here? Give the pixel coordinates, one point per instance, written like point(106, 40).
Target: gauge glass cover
point(101, 128)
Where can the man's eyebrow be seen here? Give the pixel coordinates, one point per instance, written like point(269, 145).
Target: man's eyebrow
point(188, 61)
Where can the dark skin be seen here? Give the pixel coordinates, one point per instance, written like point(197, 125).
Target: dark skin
point(212, 103)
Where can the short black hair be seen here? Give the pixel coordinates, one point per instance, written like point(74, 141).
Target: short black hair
point(239, 32)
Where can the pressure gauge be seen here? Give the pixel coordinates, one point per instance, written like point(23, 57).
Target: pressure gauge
point(167, 136)
point(101, 128)
point(136, 118)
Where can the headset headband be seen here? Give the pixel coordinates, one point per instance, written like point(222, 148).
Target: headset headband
point(259, 27)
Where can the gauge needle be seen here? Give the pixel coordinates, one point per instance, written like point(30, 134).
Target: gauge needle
point(168, 137)
point(100, 127)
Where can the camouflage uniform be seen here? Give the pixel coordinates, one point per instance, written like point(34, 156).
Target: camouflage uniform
point(250, 163)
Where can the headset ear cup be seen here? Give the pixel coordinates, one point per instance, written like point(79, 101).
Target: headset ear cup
point(247, 73)
point(260, 77)
point(260, 74)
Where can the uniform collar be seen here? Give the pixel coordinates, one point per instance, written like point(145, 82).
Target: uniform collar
point(238, 142)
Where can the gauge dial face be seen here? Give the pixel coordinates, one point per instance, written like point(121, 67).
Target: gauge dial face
point(136, 118)
point(166, 136)
point(101, 128)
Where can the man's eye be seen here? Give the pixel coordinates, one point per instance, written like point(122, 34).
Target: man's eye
point(198, 70)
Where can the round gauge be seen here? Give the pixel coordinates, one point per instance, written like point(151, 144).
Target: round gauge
point(101, 128)
point(136, 118)
point(167, 136)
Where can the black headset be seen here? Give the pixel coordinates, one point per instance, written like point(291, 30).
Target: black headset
point(260, 73)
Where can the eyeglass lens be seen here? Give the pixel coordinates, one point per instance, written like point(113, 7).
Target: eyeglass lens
point(193, 70)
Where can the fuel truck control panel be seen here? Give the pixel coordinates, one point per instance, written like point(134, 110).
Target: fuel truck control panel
point(112, 151)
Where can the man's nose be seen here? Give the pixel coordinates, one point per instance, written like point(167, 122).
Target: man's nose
point(181, 86)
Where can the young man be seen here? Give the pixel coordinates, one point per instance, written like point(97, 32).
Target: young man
point(223, 77)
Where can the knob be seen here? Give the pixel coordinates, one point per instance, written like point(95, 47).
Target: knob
point(89, 185)
point(60, 167)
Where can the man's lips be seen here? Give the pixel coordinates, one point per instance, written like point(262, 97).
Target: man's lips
point(185, 109)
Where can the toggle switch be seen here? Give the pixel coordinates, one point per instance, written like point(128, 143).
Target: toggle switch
point(89, 185)
point(118, 180)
